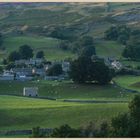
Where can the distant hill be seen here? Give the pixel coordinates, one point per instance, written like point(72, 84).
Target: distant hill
point(76, 19)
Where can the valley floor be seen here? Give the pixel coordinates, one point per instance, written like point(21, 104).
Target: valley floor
point(21, 113)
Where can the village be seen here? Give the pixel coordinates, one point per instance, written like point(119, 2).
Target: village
point(34, 69)
point(37, 68)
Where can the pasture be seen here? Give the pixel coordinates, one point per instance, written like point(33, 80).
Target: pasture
point(17, 113)
point(109, 49)
point(50, 46)
point(133, 64)
point(66, 90)
point(129, 82)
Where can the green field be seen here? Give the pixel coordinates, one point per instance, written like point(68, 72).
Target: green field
point(48, 45)
point(133, 64)
point(51, 49)
point(66, 90)
point(109, 49)
point(129, 82)
point(25, 113)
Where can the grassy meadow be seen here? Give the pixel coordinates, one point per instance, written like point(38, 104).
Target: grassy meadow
point(50, 46)
point(109, 49)
point(129, 82)
point(22, 113)
point(66, 90)
point(133, 64)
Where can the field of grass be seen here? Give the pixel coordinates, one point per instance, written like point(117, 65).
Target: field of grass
point(66, 90)
point(133, 64)
point(109, 48)
point(51, 50)
point(129, 82)
point(48, 45)
point(25, 113)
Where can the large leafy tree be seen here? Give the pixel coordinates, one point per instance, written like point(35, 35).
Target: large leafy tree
point(65, 131)
point(84, 45)
point(128, 124)
point(55, 70)
point(14, 56)
point(79, 69)
point(134, 107)
point(85, 70)
point(25, 52)
point(40, 54)
point(132, 49)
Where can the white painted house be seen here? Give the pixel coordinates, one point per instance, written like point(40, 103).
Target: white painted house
point(30, 91)
point(116, 64)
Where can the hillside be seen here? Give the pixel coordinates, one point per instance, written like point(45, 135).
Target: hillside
point(38, 20)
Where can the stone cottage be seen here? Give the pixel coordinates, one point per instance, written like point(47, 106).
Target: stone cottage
point(30, 91)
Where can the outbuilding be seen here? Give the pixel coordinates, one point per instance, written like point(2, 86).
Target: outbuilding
point(30, 91)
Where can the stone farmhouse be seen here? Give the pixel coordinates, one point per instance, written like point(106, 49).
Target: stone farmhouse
point(30, 91)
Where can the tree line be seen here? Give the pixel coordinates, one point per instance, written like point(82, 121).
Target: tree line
point(24, 52)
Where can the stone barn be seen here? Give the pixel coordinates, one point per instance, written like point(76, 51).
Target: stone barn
point(30, 91)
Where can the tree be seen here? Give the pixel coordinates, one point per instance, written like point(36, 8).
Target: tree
point(123, 39)
point(102, 74)
point(1, 39)
point(25, 52)
point(120, 125)
point(55, 70)
point(36, 133)
point(111, 33)
point(1, 69)
point(84, 45)
point(78, 69)
point(1, 42)
point(88, 51)
point(104, 129)
point(84, 70)
point(118, 33)
point(128, 124)
point(86, 41)
point(64, 45)
point(57, 33)
point(65, 131)
point(134, 107)
point(40, 54)
point(132, 49)
point(4, 61)
point(90, 130)
point(14, 56)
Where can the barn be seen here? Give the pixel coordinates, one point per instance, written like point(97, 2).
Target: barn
point(30, 91)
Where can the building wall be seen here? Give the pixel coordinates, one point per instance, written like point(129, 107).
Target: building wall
point(7, 78)
point(30, 92)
